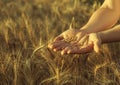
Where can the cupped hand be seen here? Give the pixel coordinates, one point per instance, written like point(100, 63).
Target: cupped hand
point(86, 44)
point(63, 40)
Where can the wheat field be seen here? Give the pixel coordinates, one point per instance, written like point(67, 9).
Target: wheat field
point(26, 28)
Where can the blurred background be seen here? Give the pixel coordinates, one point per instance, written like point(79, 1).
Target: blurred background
point(27, 26)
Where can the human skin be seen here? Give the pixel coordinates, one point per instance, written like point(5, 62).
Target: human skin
point(94, 41)
point(102, 19)
point(111, 35)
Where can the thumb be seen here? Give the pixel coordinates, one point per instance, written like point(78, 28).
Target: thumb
point(80, 36)
point(96, 46)
point(58, 38)
point(95, 38)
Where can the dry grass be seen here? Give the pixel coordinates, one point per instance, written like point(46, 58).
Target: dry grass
point(27, 26)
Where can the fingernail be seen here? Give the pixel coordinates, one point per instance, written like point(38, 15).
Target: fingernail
point(54, 50)
point(50, 46)
point(62, 53)
point(97, 51)
point(69, 52)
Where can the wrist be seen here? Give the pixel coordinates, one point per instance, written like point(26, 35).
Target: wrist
point(99, 35)
point(86, 29)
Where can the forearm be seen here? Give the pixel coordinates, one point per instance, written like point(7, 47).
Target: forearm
point(101, 20)
point(111, 35)
point(104, 18)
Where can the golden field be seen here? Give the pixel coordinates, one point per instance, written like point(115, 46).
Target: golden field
point(26, 28)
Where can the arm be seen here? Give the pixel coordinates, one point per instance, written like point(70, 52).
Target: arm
point(111, 35)
point(104, 18)
point(94, 40)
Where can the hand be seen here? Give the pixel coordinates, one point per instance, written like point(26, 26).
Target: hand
point(62, 41)
point(87, 43)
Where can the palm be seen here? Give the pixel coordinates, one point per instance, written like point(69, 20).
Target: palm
point(76, 48)
point(66, 42)
point(63, 39)
point(85, 45)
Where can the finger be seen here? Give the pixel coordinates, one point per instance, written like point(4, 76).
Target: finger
point(73, 50)
point(56, 44)
point(96, 41)
point(80, 35)
point(61, 47)
point(83, 40)
point(78, 38)
point(51, 45)
point(60, 37)
point(81, 50)
point(65, 50)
